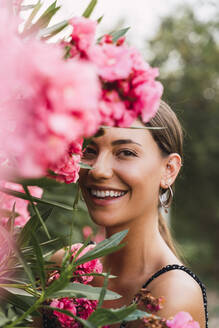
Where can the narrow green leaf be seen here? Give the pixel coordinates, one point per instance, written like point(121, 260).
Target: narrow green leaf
point(80, 290)
point(25, 266)
point(104, 247)
point(32, 225)
point(10, 223)
point(40, 260)
point(16, 291)
point(32, 15)
point(36, 211)
point(88, 11)
point(35, 199)
point(137, 314)
point(102, 317)
point(118, 34)
point(21, 302)
point(103, 291)
point(53, 30)
point(7, 213)
point(99, 20)
point(85, 166)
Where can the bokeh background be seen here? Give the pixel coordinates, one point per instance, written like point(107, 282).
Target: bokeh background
point(182, 39)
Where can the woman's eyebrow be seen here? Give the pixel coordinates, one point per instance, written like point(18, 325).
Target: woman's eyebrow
point(124, 141)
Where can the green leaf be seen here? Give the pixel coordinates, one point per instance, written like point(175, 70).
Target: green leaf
point(40, 260)
point(80, 290)
point(53, 30)
point(32, 15)
point(137, 314)
point(102, 317)
point(88, 11)
point(25, 265)
point(99, 20)
point(40, 182)
point(7, 213)
point(104, 247)
point(103, 291)
point(21, 302)
point(85, 166)
point(36, 210)
point(32, 225)
point(35, 199)
point(44, 19)
point(118, 34)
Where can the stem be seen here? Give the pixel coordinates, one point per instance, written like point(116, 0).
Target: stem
point(29, 311)
point(36, 211)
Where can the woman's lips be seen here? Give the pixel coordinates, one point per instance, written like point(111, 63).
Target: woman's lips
point(105, 196)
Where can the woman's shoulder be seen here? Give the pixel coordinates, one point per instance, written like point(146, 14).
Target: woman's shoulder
point(181, 293)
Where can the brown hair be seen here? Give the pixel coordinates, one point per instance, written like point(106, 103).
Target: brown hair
point(170, 140)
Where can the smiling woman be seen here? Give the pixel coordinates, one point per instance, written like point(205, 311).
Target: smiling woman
point(130, 180)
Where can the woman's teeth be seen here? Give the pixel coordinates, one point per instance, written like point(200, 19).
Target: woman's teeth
point(106, 193)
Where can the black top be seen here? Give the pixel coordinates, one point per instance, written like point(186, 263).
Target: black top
point(180, 267)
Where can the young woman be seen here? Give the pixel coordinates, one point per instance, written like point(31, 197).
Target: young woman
point(133, 172)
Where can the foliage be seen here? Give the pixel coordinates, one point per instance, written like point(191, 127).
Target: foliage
point(187, 50)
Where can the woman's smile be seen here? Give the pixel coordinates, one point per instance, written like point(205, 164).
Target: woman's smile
point(104, 196)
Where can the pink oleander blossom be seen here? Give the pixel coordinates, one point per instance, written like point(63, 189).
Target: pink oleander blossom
point(113, 63)
point(68, 305)
point(67, 169)
point(93, 266)
point(182, 320)
point(21, 205)
point(45, 102)
point(80, 307)
point(129, 86)
point(83, 35)
point(97, 238)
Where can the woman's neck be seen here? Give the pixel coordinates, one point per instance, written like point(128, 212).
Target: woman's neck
point(142, 252)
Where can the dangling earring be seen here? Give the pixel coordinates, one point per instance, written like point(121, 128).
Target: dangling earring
point(166, 198)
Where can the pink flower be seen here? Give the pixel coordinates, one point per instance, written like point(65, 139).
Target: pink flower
point(93, 266)
point(78, 306)
point(97, 238)
point(113, 62)
point(67, 168)
point(58, 105)
point(83, 34)
point(64, 304)
point(21, 205)
point(182, 320)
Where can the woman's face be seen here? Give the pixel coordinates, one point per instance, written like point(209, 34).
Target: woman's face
point(124, 183)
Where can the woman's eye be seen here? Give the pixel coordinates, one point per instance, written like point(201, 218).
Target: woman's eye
point(127, 153)
point(89, 152)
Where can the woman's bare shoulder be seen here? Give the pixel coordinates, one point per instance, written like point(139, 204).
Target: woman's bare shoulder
point(181, 293)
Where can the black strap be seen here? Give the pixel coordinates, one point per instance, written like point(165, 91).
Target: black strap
point(181, 267)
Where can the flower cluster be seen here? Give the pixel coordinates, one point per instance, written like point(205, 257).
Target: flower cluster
point(21, 205)
point(128, 83)
point(80, 307)
point(47, 104)
point(151, 304)
point(146, 299)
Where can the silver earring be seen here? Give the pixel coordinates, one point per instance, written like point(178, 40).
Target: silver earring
point(166, 198)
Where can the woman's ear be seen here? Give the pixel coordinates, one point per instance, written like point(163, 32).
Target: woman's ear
point(172, 165)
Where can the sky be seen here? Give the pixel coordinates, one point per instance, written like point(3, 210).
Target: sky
point(142, 16)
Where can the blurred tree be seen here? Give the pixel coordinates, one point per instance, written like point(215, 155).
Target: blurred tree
point(187, 52)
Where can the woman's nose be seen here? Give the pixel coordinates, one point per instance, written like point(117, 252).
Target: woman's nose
point(102, 168)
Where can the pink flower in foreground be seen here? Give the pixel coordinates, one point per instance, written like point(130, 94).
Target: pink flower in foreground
point(68, 167)
point(113, 62)
point(182, 320)
point(21, 205)
point(83, 33)
point(64, 304)
point(93, 266)
point(78, 306)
